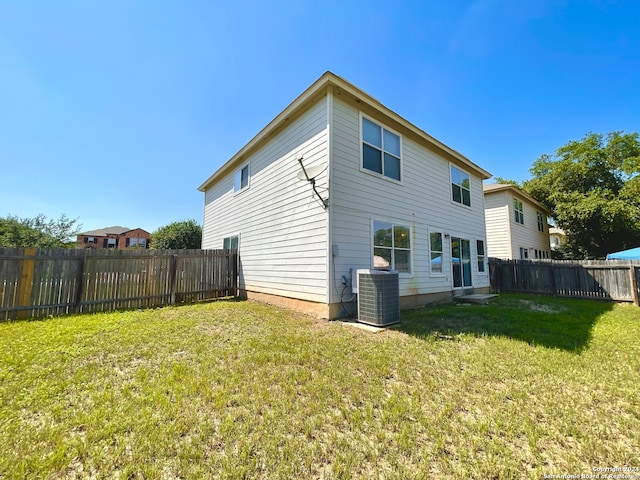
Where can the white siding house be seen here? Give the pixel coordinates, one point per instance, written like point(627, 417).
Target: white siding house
point(388, 196)
point(516, 224)
point(557, 238)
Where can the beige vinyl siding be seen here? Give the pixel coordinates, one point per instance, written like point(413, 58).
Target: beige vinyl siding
point(422, 201)
point(505, 236)
point(497, 219)
point(281, 224)
point(527, 235)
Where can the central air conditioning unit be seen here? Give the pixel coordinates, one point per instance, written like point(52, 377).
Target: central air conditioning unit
point(378, 297)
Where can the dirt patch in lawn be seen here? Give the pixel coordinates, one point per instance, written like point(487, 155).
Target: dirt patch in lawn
point(539, 307)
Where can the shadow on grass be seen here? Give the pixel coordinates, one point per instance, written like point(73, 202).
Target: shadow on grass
point(538, 320)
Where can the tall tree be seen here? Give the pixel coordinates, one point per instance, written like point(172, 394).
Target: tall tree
point(592, 187)
point(178, 235)
point(37, 232)
point(507, 181)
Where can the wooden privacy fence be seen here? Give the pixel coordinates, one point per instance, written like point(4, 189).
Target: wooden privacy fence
point(54, 281)
point(617, 280)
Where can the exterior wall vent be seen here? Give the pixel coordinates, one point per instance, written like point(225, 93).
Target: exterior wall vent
point(378, 297)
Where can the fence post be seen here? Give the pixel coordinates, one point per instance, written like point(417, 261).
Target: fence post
point(554, 290)
point(635, 273)
point(26, 282)
point(80, 284)
point(236, 273)
point(173, 269)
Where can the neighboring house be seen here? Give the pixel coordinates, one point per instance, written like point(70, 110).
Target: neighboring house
point(385, 195)
point(556, 237)
point(516, 224)
point(114, 237)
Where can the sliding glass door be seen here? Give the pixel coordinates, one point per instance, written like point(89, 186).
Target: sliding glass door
point(461, 262)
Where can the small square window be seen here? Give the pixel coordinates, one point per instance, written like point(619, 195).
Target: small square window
point(230, 243)
point(241, 179)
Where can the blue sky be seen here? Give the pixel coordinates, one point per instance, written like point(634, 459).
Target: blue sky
point(115, 112)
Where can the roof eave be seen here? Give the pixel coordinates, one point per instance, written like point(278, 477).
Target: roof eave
point(318, 87)
point(373, 102)
point(280, 119)
point(517, 191)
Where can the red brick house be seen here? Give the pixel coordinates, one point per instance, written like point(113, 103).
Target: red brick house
point(120, 238)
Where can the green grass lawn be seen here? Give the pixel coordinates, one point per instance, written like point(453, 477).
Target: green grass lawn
point(521, 388)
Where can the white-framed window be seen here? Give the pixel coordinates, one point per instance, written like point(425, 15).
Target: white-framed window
point(519, 211)
point(482, 257)
point(381, 150)
point(241, 178)
point(436, 249)
point(230, 243)
point(460, 186)
point(90, 240)
point(540, 221)
point(391, 246)
point(524, 253)
point(136, 242)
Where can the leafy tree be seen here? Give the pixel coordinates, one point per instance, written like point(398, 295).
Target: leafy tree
point(38, 231)
point(506, 181)
point(592, 187)
point(178, 235)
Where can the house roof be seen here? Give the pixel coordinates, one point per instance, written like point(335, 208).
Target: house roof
point(348, 92)
point(490, 188)
point(101, 232)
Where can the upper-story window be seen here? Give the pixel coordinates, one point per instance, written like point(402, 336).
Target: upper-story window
point(241, 178)
point(540, 222)
point(380, 150)
point(460, 186)
point(519, 211)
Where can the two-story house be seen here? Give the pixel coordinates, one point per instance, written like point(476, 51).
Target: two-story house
point(557, 238)
point(381, 194)
point(516, 224)
point(114, 237)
